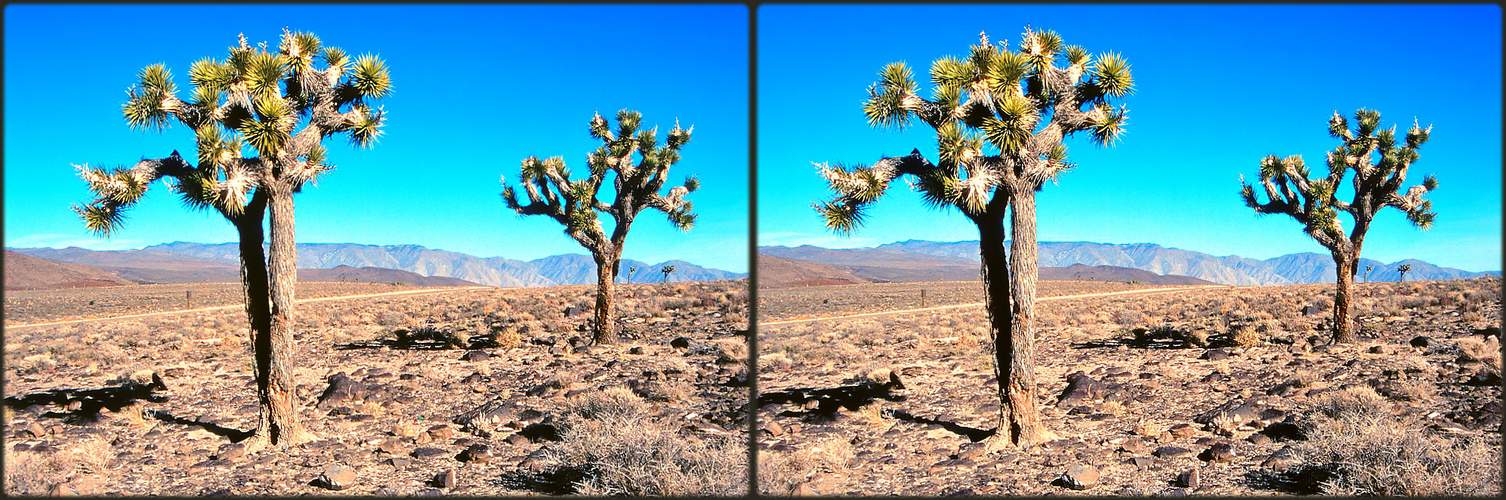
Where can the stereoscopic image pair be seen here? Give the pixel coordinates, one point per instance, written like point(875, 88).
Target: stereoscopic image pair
point(968, 250)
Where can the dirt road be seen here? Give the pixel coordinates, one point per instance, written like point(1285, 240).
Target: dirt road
point(237, 306)
point(979, 304)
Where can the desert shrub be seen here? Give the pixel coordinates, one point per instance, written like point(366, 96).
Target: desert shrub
point(1413, 390)
point(33, 474)
point(1244, 336)
point(609, 442)
point(1476, 351)
point(779, 471)
point(1355, 447)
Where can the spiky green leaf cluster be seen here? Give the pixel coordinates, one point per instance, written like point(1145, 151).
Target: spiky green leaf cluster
point(1378, 166)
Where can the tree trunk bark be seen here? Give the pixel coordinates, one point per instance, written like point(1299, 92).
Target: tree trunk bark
point(279, 413)
point(1026, 429)
point(248, 226)
point(604, 331)
point(1346, 262)
point(995, 271)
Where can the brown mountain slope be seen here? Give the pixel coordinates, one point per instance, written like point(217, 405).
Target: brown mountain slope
point(774, 272)
point(23, 272)
point(1117, 274)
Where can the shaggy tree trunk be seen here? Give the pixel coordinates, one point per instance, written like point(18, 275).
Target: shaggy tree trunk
point(258, 306)
point(279, 415)
point(995, 271)
point(604, 331)
point(1026, 429)
point(1346, 262)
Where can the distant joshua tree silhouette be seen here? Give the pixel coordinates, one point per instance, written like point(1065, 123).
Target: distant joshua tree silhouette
point(1315, 204)
point(631, 270)
point(1367, 273)
point(1404, 269)
point(667, 270)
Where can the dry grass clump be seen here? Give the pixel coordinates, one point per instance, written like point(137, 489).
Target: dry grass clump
point(1356, 447)
point(611, 446)
point(34, 474)
point(780, 471)
point(1486, 352)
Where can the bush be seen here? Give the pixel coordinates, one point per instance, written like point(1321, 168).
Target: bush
point(611, 444)
point(1356, 447)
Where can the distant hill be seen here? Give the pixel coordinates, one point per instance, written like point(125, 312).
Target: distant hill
point(24, 272)
point(775, 272)
point(377, 275)
point(194, 262)
point(1117, 274)
point(1227, 270)
point(882, 265)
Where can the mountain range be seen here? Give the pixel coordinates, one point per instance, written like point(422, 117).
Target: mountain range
point(919, 260)
point(183, 261)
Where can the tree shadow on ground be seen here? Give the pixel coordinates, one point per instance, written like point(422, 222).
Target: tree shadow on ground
point(1299, 480)
point(235, 436)
point(821, 405)
point(90, 401)
point(426, 338)
point(972, 434)
point(550, 481)
point(1164, 337)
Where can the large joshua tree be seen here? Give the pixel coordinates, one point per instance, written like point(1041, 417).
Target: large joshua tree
point(575, 205)
point(252, 102)
point(1000, 117)
point(1380, 166)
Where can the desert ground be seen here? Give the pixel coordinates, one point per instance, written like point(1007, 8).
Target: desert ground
point(391, 384)
point(1197, 391)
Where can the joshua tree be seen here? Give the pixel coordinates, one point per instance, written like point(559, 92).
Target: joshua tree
point(1315, 204)
point(631, 270)
point(667, 270)
point(1367, 273)
point(253, 100)
point(1404, 269)
point(1000, 117)
point(573, 202)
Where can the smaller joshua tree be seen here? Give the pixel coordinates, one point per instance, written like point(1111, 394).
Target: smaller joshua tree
point(1404, 269)
point(1367, 273)
point(574, 203)
point(1314, 202)
point(667, 270)
point(631, 271)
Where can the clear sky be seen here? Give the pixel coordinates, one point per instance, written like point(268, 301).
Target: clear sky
point(476, 89)
point(1218, 87)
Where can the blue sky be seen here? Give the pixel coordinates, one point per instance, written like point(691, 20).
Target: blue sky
point(476, 90)
point(1217, 88)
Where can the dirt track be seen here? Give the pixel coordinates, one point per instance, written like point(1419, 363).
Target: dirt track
point(978, 304)
point(232, 306)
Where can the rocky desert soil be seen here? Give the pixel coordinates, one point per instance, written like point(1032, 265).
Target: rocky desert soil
point(155, 405)
point(1221, 391)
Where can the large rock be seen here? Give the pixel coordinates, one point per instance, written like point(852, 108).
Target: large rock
point(341, 388)
point(1080, 477)
point(1081, 387)
point(337, 477)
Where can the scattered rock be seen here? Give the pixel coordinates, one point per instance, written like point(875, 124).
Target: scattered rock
point(1081, 387)
point(1171, 451)
point(36, 430)
point(398, 462)
point(1258, 439)
point(445, 479)
point(680, 343)
point(1421, 341)
point(803, 490)
point(1282, 459)
point(1191, 479)
point(1214, 355)
point(475, 356)
point(336, 477)
point(1080, 477)
point(62, 490)
point(1182, 430)
point(773, 429)
point(341, 388)
point(426, 452)
point(1140, 462)
point(478, 452)
point(1221, 452)
point(441, 431)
